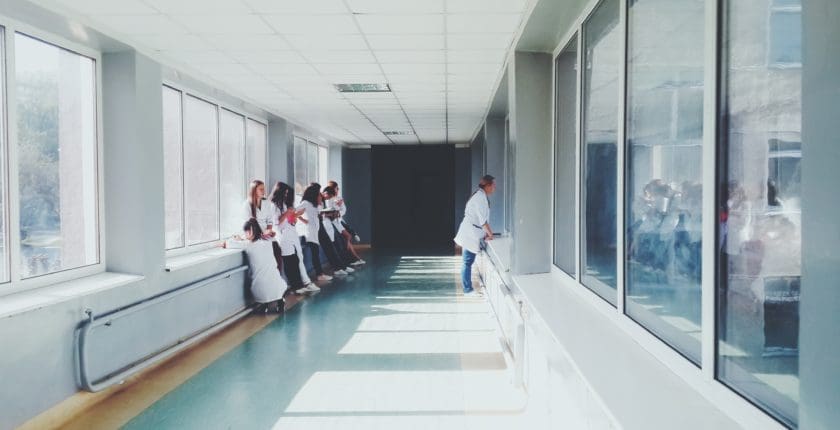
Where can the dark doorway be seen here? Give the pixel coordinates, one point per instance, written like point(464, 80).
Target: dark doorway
point(413, 197)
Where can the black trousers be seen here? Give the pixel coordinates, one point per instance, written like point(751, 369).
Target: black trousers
point(291, 265)
point(315, 254)
point(336, 262)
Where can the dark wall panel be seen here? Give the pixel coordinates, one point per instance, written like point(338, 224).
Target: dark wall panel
point(413, 196)
point(356, 189)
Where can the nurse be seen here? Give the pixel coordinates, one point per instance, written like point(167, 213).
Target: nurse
point(346, 232)
point(474, 228)
point(255, 207)
point(308, 226)
point(267, 285)
point(283, 200)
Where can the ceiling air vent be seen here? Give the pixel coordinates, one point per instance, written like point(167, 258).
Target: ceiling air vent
point(397, 133)
point(363, 88)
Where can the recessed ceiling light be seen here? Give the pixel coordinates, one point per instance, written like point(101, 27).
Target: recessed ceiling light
point(397, 133)
point(363, 88)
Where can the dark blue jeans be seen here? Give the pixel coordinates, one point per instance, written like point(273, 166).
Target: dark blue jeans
point(466, 270)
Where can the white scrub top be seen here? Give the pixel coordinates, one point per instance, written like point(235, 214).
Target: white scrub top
point(286, 236)
point(309, 231)
point(476, 214)
point(266, 283)
point(265, 213)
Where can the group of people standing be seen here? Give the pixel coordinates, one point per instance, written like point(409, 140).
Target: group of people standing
point(277, 231)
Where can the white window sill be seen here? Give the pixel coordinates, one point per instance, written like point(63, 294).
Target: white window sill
point(498, 250)
point(181, 262)
point(595, 337)
point(26, 301)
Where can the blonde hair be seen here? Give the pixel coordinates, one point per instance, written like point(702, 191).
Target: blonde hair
point(252, 196)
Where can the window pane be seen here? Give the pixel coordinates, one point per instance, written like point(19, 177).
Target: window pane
point(301, 181)
point(665, 159)
point(257, 151)
point(57, 157)
point(4, 255)
point(564, 157)
point(322, 165)
point(602, 57)
point(312, 160)
point(201, 178)
point(760, 261)
point(509, 178)
point(785, 37)
point(231, 170)
point(172, 163)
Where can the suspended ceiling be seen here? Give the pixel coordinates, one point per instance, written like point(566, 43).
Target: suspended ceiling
point(441, 58)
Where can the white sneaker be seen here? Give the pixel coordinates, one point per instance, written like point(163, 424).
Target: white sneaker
point(311, 288)
point(303, 290)
point(357, 263)
point(356, 237)
point(339, 273)
point(325, 278)
point(350, 270)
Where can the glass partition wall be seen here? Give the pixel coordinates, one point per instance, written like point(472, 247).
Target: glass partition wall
point(697, 173)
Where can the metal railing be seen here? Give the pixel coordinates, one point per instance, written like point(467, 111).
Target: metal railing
point(107, 318)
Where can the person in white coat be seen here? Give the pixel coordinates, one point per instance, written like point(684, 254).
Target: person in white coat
point(283, 198)
point(257, 208)
point(343, 229)
point(308, 226)
point(267, 285)
point(474, 228)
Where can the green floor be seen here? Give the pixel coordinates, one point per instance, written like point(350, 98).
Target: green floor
point(393, 347)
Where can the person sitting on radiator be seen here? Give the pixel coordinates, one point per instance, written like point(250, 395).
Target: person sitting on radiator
point(267, 285)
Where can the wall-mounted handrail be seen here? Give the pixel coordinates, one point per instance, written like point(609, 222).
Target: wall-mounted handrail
point(107, 318)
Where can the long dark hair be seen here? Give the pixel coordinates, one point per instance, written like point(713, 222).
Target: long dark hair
point(311, 194)
point(253, 226)
point(330, 191)
point(282, 196)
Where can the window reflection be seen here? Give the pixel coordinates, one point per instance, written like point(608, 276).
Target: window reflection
point(602, 39)
point(664, 189)
point(760, 215)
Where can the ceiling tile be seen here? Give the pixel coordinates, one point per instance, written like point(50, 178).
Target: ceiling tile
point(485, 6)
point(144, 24)
point(283, 69)
point(393, 6)
point(313, 24)
point(327, 42)
point(414, 69)
point(197, 56)
point(183, 42)
point(406, 42)
point(197, 7)
point(410, 57)
point(472, 23)
point(247, 42)
point(267, 57)
point(401, 24)
point(348, 69)
point(298, 6)
point(492, 56)
point(223, 24)
point(479, 41)
point(327, 57)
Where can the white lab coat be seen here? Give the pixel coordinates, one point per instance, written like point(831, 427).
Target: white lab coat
point(476, 214)
point(266, 283)
point(265, 213)
point(289, 241)
point(341, 206)
point(310, 230)
point(329, 225)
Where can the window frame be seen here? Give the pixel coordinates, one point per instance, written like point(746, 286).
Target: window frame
point(11, 172)
point(702, 378)
point(308, 143)
point(186, 90)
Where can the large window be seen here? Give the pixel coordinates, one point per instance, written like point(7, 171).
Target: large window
point(232, 169)
point(602, 39)
point(257, 140)
point(310, 164)
point(664, 192)
point(565, 140)
point(56, 158)
point(761, 217)
point(210, 153)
